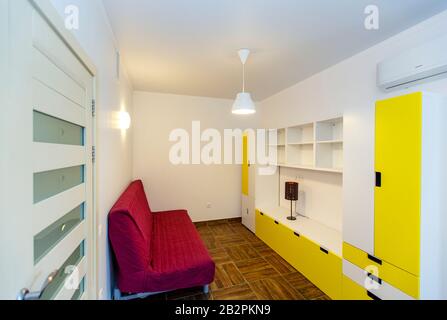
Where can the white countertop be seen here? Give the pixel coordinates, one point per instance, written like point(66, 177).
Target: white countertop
point(315, 231)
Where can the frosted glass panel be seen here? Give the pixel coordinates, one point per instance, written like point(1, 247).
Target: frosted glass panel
point(48, 129)
point(50, 183)
point(78, 293)
point(48, 238)
point(63, 273)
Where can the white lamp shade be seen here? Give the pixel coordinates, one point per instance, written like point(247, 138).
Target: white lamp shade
point(244, 104)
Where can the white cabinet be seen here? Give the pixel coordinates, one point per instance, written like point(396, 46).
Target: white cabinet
point(248, 212)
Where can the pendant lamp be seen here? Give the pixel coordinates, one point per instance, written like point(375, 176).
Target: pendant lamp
point(244, 104)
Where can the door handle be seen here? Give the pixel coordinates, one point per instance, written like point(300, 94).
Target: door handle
point(373, 296)
point(379, 179)
point(376, 260)
point(25, 294)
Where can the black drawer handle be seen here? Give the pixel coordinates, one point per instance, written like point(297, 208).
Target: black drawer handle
point(373, 296)
point(324, 250)
point(276, 222)
point(297, 234)
point(375, 278)
point(378, 179)
point(376, 260)
point(261, 213)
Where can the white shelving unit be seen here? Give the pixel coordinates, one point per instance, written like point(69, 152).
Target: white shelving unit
point(301, 134)
point(316, 146)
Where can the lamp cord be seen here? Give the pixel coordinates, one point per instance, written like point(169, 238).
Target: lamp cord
point(243, 77)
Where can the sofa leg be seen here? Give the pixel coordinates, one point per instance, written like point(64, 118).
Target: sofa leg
point(117, 294)
point(206, 289)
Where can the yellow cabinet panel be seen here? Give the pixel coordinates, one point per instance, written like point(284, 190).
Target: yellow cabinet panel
point(323, 268)
point(400, 279)
point(397, 200)
point(283, 239)
point(353, 291)
point(297, 255)
point(264, 228)
point(245, 166)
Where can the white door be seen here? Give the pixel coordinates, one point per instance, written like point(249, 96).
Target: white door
point(46, 220)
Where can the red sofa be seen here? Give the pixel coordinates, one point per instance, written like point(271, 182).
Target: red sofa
point(156, 251)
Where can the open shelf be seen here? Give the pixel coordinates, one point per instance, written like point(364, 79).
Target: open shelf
point(303, 134)
point(302, 155)
point(329, 130)
point(301, 143)
point(314, 146)
point(329, 155)
point(312, 168)
point(330, 142)
point(280, 138)
point(280, 153)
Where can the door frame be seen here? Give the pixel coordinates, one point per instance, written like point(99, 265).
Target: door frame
point(49, 12)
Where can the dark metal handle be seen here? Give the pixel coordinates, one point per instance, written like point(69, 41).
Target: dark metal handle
point(276, 222)
point(378, 179)
point(376, 260)
point(375, 278)
point(324, 250)
point(373, 296)
point(297, 234)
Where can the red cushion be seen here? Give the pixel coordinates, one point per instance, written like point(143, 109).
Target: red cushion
point(156, 251)
point(130, 229)
point(180, 257)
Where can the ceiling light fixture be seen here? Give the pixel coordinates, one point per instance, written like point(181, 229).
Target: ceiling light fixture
point(244, 104)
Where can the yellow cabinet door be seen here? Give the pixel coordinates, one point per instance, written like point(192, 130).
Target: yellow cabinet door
point(264, 228)
point(353, 291)
point(283, 243)
point(398, 172)
point(245, 166)
point(297, 255)
point(327, 272)
point(321, 267)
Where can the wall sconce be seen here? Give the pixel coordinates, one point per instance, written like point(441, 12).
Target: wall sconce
point(124, 120)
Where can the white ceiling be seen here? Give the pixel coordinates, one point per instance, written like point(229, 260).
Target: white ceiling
point(189, 46)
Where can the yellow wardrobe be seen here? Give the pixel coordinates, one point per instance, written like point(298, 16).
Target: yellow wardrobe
point(409, 260)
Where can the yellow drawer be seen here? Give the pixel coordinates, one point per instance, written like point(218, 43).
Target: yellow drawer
point(297, 256)
point(264, 226)
point(274, 234)
point(352, 291)
point(282, 244)
point(323, 268)
point(402, 280)
point(320, 266)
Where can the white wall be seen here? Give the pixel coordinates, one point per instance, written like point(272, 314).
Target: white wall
point(114, 147)
point(189, 187)
point(349, 88)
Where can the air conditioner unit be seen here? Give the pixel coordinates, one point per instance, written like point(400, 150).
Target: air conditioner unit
point(425, 63)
